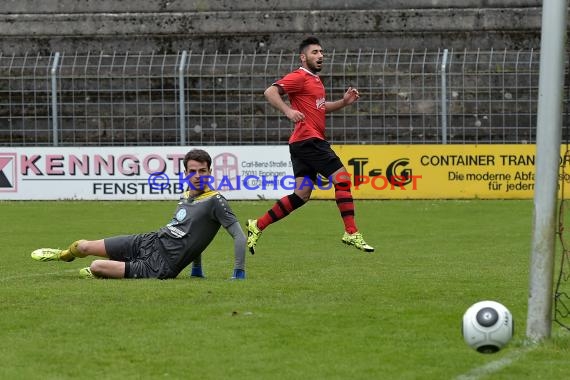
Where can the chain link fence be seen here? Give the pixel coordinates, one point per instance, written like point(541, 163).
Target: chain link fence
point(201, 98)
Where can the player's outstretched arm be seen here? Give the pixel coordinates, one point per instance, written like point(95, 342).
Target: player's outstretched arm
point(240, 240)
point(350, 96)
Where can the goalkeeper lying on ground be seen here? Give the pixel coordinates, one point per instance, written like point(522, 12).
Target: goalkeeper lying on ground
point(164, 253)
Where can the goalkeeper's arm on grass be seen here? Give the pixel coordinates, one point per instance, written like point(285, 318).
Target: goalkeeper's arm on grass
point(239, 250)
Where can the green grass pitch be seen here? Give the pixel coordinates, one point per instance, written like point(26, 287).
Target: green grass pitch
point(311, 308)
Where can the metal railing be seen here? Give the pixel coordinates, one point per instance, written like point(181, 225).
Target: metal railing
point(201, 98)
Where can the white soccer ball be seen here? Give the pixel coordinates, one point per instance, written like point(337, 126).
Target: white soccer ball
point(487, 326)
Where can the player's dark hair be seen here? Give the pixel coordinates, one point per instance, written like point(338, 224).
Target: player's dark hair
point(308, 41)
point(198, 155)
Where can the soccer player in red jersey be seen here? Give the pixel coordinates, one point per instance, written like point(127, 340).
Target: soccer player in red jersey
point(311, 154)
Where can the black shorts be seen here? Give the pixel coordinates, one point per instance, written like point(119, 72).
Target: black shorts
point(313, 156)
point(140, 255)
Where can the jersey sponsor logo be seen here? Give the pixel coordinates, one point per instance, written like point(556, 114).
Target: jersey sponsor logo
point(176, 231)
point(320, 103)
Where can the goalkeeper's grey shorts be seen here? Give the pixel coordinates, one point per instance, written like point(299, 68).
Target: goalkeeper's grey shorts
point(140, 254)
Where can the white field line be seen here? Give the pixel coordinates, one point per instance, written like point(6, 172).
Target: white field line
point(497, 365)
point(32, 275)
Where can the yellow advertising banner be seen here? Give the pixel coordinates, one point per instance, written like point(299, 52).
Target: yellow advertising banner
point(438, 171)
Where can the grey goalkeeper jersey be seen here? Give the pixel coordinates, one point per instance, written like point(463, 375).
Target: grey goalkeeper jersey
point(194, 225)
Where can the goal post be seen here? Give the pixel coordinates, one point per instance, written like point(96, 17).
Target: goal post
point(548, 139)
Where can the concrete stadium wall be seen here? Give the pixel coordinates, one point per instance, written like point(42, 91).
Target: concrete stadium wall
point(45, 26)
point(110, 6)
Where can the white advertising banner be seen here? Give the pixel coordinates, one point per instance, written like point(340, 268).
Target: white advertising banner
point(137, 173)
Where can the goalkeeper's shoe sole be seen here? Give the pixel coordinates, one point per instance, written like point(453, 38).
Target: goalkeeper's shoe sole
point(356, 240)
point(253, 234)
point(48, 254)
